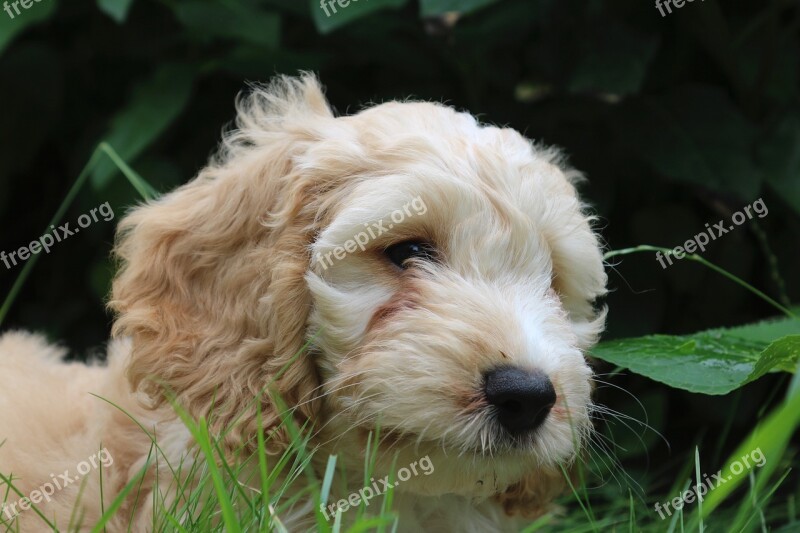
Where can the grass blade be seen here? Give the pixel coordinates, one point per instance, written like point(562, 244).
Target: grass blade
point(144, 188)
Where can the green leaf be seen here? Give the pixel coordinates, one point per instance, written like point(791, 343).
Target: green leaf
point(155, 104)
point(331, 14)
point(765, 331)
point(614, 59)
point(709, 362)
point(11, 27)
point(116, 9)
point(432, 8)
point(232, 20)
point(781, 354)
point(694, 135)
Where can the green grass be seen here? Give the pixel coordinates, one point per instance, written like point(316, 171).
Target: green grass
point(215, 491)
point(223, 493)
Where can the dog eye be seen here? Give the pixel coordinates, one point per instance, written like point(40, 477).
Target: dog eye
point(401, 252)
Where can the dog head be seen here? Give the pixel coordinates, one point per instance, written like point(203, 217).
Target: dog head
point(441, 272)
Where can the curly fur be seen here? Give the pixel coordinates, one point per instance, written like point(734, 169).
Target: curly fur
point(221, 306)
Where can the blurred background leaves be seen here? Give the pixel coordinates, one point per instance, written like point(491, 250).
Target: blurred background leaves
point(677, 120)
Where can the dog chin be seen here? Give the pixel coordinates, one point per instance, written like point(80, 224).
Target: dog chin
point(467, 469)
point(473, 475)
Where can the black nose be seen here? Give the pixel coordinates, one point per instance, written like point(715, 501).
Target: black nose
point(522, 398)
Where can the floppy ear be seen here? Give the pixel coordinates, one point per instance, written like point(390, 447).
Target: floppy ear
point(532, 496)
point(211, 282)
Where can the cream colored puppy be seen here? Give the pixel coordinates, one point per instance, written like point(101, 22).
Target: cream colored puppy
point(442, 273)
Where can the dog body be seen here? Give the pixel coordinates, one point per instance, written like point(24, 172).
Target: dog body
point(404, 268)
point(63, 421)
point(52, 422)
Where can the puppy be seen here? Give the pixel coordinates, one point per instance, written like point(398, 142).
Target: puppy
point(405, 274)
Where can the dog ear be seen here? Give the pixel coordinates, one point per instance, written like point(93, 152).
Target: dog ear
point(532, 496)
point(211, 285)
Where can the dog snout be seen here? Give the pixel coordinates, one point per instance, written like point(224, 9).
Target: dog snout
point(522, 399)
